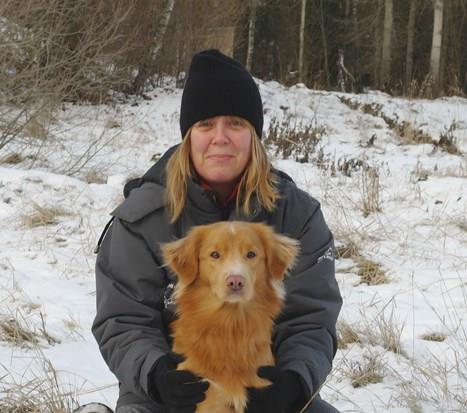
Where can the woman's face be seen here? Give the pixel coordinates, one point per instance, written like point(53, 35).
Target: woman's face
point(220, 149)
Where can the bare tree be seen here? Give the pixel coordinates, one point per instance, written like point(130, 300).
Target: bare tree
point(435, 57)
point(377, 42)
point(325, 44)
point(387, 44)
point(251, 33)
point(410, 42)
point(301, 74)
point(343, 75)
point(58, 50)
point(144, 72)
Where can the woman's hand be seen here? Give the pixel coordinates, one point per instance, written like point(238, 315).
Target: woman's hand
point(286, 388)
point(178, 390)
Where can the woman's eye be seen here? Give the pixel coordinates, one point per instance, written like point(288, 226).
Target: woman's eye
point(204, 123)
point(250, 254)
point(215, 255)
point(236, 123)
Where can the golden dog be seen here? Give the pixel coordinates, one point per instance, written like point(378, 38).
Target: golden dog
point(228, 293)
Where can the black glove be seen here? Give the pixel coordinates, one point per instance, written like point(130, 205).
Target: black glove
point(285, 390)
point(178, 390)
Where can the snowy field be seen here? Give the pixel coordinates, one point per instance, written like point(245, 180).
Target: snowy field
point(393, 195)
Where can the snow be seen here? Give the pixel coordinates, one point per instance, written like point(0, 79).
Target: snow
point(419, 236)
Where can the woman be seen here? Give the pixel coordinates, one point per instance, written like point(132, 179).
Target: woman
point(220, 171)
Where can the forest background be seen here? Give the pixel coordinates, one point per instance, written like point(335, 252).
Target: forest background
point(85, 50)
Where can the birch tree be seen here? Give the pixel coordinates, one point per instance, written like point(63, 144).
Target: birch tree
point(410, 43)
point(301, 74)
point(387, 43)
point(325, 44)
point(435, 57)
point(251, 33)
point(157, 41)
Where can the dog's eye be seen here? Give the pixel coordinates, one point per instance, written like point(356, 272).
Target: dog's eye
point(215, 255)
point(251, 254)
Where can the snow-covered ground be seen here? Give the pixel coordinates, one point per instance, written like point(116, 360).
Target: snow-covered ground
point(56, 200)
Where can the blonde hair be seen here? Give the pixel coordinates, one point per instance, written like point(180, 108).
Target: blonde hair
point(256, 179)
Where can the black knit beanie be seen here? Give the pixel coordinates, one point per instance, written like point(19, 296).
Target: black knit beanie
point(218, 85)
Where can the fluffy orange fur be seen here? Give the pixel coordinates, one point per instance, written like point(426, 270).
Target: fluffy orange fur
point(225, 333)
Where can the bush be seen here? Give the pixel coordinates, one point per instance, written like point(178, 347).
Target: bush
point(291, 140)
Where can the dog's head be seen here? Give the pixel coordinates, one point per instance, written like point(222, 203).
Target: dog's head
point(233, 259)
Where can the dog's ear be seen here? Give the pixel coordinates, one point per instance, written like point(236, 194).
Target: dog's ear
point(281, 252)
point(182, 257)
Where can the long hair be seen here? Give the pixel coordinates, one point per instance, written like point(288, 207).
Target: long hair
point(256, 179)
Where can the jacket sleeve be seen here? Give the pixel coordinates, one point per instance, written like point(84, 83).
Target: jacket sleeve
point(128, 325)
point(305, 336)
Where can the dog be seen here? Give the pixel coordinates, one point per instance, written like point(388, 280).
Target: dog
point(229, 291)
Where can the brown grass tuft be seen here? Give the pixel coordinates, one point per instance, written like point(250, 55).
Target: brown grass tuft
point(41, 394)
point(438, 337)
point(362, 373)
point(13, 332)
point(42, 216)
point(371, 272)
point(12, 159)
point(370, 189)
point(346, 334)
point(348, 250)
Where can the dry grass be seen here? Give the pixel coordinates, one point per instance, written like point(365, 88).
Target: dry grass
point(447, 140)
point(439, 381)
point(41, 394)
point(36, 128)
point(12, 159)
point(291, 140)
point(387, 332)
point(42, 216)
point(408, 133)
point(370, 191)
point(13, 332)
point(17, 331)
point(371, 272)
point(37, 389)
point(411, 396)
point(362, 373)
point(438, 337)
point(347, 334)
point(95, 177)
point(421, 173)
point(74, 328)
point(383, 330)
point(348, 250)
point(462, 224)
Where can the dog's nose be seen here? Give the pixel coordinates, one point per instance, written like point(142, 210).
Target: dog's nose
point(235, 282)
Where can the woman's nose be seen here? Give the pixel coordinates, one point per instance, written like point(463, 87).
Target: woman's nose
point(220, 132)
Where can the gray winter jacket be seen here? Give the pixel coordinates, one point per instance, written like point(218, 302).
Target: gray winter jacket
point(133, 288)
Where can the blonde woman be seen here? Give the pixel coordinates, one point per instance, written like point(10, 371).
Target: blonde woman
point(219, 171)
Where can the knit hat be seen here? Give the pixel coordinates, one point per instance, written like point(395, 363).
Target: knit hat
point(218, 85)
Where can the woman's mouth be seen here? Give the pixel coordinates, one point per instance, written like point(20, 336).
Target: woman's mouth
point(220, 157)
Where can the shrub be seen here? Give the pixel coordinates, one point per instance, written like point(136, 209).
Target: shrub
point(291, 140)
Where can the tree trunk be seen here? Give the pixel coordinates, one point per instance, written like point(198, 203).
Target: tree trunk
point(144, 72)
point(347, 8)
point(301, 74)
point(325, 44)
point(435, 58)
point(251, 33)
point(446, 42)
point(386, 50)
point(410, 41)
point(378, 41)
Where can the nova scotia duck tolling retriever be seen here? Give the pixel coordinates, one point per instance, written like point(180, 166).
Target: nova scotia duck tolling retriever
point(228, 293)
